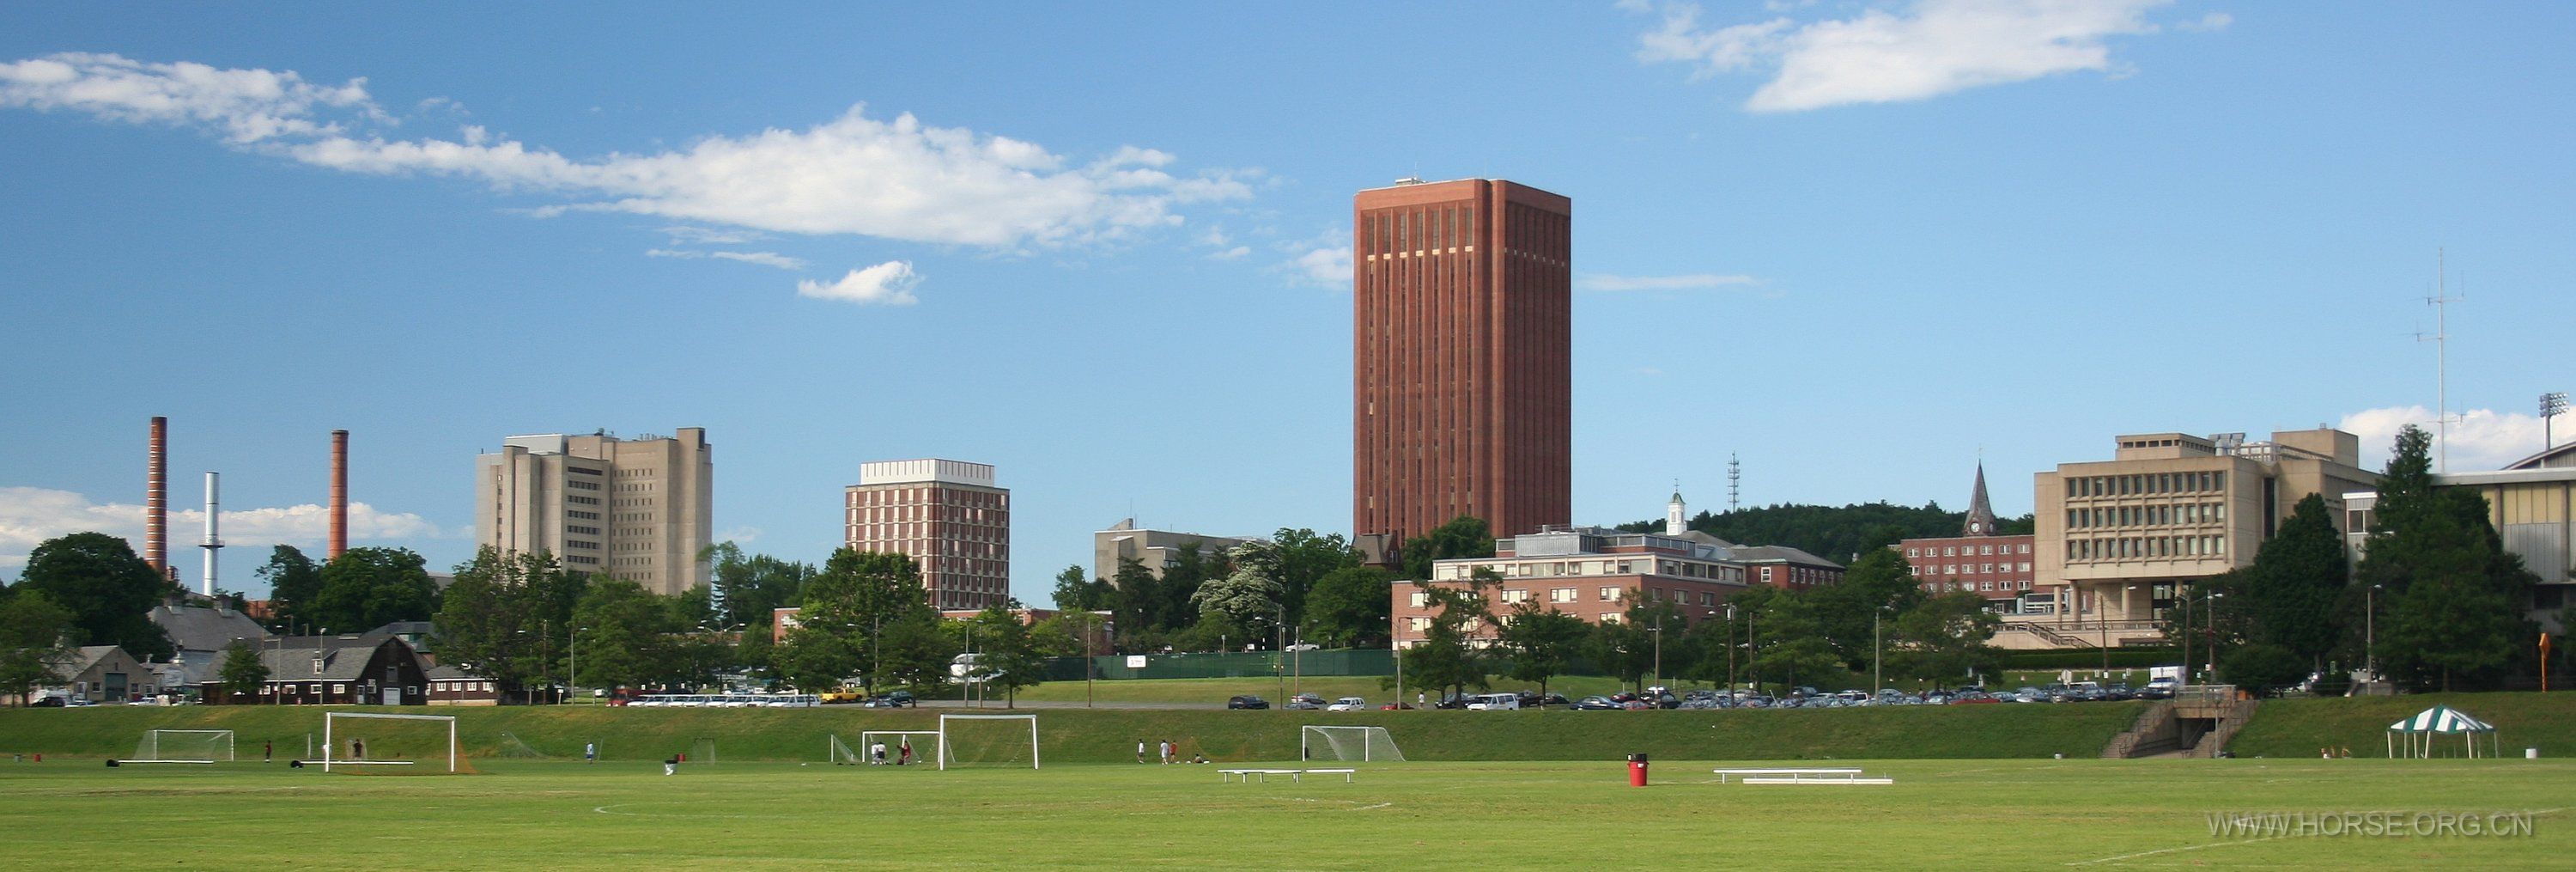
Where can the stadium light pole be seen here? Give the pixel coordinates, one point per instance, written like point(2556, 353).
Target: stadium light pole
point(2552, 405)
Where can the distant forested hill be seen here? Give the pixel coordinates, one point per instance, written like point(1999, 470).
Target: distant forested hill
point(1832, 532)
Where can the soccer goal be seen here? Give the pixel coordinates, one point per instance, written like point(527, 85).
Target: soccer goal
point(513, 749)
point(371, 740)
point(894, 740)
point(703, 751)
point(984, 741)
point(184, 746)
point(1363, 744)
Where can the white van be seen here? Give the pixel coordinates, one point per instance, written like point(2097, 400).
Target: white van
point(1493, 702)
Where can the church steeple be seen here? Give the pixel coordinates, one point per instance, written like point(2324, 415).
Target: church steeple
point(1981, 514)
point(1676, 514)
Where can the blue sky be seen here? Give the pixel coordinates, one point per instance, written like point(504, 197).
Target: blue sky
point(1857, 244)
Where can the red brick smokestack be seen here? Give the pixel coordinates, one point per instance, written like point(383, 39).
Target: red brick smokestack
point(339, 492)
point(156, 499)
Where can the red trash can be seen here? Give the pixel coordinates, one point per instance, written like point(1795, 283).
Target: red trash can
point(1636, 770)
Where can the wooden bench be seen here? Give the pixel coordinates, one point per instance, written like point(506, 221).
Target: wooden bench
point(1723, 773)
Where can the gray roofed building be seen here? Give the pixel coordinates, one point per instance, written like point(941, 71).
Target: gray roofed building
point(200, 628)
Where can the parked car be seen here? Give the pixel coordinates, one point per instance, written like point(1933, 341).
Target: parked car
point(1595, 703)
point(1348, 704)
point(1493, 702)
point(1395, 706)
point(1247, 701)
point(1307, 697)
point(897, 699)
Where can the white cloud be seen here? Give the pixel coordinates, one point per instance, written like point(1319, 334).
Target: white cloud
point(1231, 253)
point(739, 535)
point(889, 283)
point(1930, 48)
point(2210, 22)
point(31, 515)
point(894, 179)
point(2480, 439)
point(764, 258)
point(685, 234)
point(1692, 281)
point(1323, 265)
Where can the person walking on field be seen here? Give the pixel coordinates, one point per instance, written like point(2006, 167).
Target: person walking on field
point(268, 751)
point(903, 756)
point(590, 752)
point(671, 765)
point(1140, 750)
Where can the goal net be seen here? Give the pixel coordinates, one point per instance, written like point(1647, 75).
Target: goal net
point(1348, 744)
point(703, 751)
point(988, 740)
point(925, 745)
point(839, 754)
point(513, 749)
point(184, 746)
point(368, 742)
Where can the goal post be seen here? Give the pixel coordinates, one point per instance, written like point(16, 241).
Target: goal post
point(947, 747)
point(184, 746)
point(331, 732)
point(1348, 744)
point(839, 753)
point(895, 738)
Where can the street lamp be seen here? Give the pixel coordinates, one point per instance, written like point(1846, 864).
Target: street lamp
point(2370, 632)
point(1730, 649)
point(1658, 630)
point(1877, 656)
point(572, 648)
point(2211, 668)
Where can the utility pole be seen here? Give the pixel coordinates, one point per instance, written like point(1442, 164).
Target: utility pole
point(2441, 339)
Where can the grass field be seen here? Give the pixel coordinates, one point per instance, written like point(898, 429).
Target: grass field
point(1988, 814)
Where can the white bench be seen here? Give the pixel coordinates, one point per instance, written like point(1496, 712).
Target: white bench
point(1791, 773)
point(1796, 779)
point(1296, 775)
point(1246, 775)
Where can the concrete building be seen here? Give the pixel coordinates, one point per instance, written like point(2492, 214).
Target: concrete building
point(2531, 503)
point(1461, 384)
point(2118, 538)
point(1979, 561)
point(639, 509)
point(945, 514)
point(1591, 573)
point(1157, 550)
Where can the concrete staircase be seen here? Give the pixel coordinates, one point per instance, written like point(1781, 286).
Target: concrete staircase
point(2219, 704)
point(2156, 732)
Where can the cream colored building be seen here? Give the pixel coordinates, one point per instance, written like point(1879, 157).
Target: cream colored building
point(2532, 505)
point(638, 509)
point(1157, 550)
point(2118, 538)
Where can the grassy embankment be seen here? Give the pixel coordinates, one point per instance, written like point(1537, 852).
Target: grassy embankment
point(1110, 735)
point(2298, 727)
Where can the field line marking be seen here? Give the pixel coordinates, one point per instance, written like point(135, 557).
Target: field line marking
point(2225, 844)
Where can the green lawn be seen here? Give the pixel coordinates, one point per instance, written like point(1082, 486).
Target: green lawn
point(1980, 814)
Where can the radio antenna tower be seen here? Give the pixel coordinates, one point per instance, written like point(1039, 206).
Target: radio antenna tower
point(2441, 301)
point(1734, 482)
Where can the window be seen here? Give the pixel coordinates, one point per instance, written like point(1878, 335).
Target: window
point(1560, 595)
point(1986, 549)
point(1613, 618)
point(1609, 594)
point(1949, 552)
point(1910, 552)
point(1421, 599)
point(1766, 575)
point(1515, 596)
point(1420, 624)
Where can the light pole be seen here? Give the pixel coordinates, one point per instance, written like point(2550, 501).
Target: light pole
point(2552, 405)
point(572, 649)
point(2211, 619)
point(1658, 630)
point(1877, 656)
point(1730, 649)
point(2370, 632)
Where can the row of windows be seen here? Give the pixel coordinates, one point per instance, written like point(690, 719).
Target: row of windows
point(1966, 551)
point(1977, 586)
point(581, 515)
point(587, 531)
point(2146, 483)
point(460, 686)
point(637, 487)
point(581, 559)
point(582, 544)
point(630, 503)
point(1949, 569)
point(582, 485)
point(2150, 546)
point(1606, 593)
point(581, 469)
point(587, 501)
point(1390, 232)
point(1564, 568)
point(2144, 516)
point(918, 496)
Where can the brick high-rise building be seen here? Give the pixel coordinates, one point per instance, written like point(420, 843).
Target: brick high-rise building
point(947, 516)
point(1461, 385)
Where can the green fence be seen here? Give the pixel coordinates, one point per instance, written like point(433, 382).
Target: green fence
point(1358, 662)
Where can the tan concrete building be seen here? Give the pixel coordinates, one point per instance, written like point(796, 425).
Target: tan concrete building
point(1158, 550)
point(2117, 538)
point(638, 509)
point(2531, 503)
point(945, 514)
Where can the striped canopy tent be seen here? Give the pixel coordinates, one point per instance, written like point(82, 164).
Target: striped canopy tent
point(2422, 728)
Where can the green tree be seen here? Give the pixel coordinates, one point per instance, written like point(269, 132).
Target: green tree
point(1879, 583)
point(492, 621)
point(1541, 642)
point(1135, 598)
point(752, 587)
point(35, 634)
point(242, 672)
point(1063, 634)
point(855, 598)
point(915, 653)
point(109, 591)
point(2288, 596)
point(293, 582)
point(1836, 532)
point(1445, 658)
point(1077, 591)
point(1005, 657)
point(628, 634)
point(2453, 595)
point(1249, 597)
point(1463, 536)
point(815, 660)
point(1214, 632)
point(366, 588)
point(1299, 558)
point(1943, 638)
point(1350, 607)
point(1624, 649)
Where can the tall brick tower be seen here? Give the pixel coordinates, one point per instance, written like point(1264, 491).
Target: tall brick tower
point(1461, 382)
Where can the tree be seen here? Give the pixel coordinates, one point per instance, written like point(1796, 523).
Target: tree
point(2288, 596)
point(1176, 593)
point(2453, 594)
point(1299, 558)
point(753, 587)
point(1463, 536)
point(293, 582)
point(1077, 591)
point(1004, 656)
point(1837, 532)
point(814, 660)
point(915, 653)
point(1843, 612)
point(35, 634)
point(494, 619)
point(242, 673)
point(1213, 632)
point(1444, 658)
point(628, 633)
point(856, 596)
point(108, 590)
point(1064, 634)
point(1135, 598)
point(1542, 642)
point(1250, 597)
point(1349, 607)
point(1622, 648)
point(366, 588)
point(1943, 638)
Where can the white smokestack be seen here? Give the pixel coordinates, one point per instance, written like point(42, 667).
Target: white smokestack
point(214, 506)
